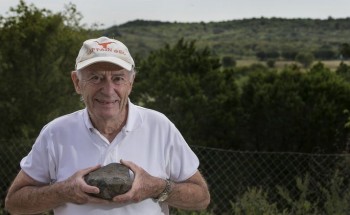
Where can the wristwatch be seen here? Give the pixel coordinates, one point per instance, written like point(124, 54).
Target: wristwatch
point(167, 190)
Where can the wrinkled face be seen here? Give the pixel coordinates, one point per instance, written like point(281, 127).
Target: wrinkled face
point(105, 89)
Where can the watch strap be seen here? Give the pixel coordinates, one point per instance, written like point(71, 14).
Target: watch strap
point(166, 192)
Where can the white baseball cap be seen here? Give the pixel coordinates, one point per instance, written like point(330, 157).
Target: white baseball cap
point(104, 49)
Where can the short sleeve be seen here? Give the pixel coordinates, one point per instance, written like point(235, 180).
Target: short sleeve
point(183, 161)
point(38, 163)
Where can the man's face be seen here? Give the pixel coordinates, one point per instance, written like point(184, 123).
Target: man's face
point(105, 89)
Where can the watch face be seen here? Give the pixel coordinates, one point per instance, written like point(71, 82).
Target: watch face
point(163, 197)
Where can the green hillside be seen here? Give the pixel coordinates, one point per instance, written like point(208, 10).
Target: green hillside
point(241, 39)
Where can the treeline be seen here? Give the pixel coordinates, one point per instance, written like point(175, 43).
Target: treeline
point(250, 108)
point(243, 108)
point(257, 38)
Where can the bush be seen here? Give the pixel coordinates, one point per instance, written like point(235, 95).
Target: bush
point(305, 58)
point(331, 198)
point(254, 201)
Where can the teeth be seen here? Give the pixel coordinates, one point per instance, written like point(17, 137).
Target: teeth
point(104, 102)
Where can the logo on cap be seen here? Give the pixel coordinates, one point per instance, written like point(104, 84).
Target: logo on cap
point(104, 45)
point(104, 48)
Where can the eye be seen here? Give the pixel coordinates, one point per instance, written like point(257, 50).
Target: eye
point(94, 79)
point(119, 80)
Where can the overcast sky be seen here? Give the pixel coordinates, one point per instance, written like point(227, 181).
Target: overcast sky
point(116, 12)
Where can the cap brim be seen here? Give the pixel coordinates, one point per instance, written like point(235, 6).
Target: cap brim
point(114, 60)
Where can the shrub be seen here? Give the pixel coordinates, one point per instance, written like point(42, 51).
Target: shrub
point(255, 201)
point(330, 198)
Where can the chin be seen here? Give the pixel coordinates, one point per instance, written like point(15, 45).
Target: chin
point(108, 115)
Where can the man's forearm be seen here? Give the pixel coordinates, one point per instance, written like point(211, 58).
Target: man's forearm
point(28, 196)
point(189, 196)
point(192, 194)
point(33, 199)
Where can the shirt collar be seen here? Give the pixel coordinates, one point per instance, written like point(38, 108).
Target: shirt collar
point(133, 121)
point(87, 120)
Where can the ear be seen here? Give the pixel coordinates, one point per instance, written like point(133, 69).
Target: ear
point(75, 80)
point(131, 83)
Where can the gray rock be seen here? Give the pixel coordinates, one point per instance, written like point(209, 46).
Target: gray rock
point(112, 180)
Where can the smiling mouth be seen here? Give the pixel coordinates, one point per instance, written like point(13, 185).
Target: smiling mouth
point(106, 102)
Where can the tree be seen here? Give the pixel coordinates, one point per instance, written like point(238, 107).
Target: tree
point(305, 58)
point(343, 70)
point(294, 111)
point(270, 63)
point(289, 54)
point(270, 106)
point(345, 50)
point(266, 55)
point(38, 50)
point(188, 86)
point(228, 61)
point(325, 54)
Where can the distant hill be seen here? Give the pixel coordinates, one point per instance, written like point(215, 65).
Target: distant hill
point(241, 39)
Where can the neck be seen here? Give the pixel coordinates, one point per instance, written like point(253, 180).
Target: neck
point(111, 127)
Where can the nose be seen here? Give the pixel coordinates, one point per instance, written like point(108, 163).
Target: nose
point(108, 87)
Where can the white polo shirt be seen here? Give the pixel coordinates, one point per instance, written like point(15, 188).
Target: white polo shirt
point(70, 143)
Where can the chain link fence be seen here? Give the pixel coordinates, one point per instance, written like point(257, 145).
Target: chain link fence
point(229, 173)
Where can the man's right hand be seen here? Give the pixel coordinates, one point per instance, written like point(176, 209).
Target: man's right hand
point(77, 191)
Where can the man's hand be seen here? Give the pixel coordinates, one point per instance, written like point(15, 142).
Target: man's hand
point(191, 194)
point(144, 185)
point(77, 191)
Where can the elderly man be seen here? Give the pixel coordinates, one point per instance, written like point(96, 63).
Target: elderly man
point(110, 129)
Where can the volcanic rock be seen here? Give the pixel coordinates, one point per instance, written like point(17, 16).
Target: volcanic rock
point(112, 180)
